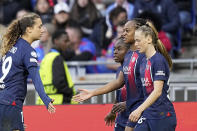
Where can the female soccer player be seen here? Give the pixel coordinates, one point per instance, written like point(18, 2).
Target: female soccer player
point(157, 111)
point(128, 76)
point(18, 60)
point(120, 49)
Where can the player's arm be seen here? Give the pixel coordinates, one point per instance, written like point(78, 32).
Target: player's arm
point(158, 84)
point(30, 62)
point(34, 74)
point(111, 86)
point(155, 94)
point(111, 116)
point(119, 107)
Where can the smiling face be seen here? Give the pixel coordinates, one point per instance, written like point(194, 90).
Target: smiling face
point(128, 32)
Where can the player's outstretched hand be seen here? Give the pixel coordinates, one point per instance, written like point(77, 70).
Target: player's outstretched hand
point(51, 108)
point(119, 107)
point(110, 119)
point(82, 96)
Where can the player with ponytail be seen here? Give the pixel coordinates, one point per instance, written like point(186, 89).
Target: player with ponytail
point(18, 60)
point(156, 113)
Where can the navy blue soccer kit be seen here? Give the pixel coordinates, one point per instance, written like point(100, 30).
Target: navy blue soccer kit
point(122, 117)
point(132, 80)
point(160, 116)
point(19, 62)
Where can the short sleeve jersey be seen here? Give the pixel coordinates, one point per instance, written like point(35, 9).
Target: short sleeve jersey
point(14, 71)
point(153, 69)
point(133, 84)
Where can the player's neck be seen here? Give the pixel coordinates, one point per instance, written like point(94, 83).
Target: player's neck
point(28, 39)
point(133, 47)
point(150, 52)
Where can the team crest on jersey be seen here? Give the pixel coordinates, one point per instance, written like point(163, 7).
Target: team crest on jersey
point(13, 50)
point(133, 59)
point(147, 67)
point(34, 54)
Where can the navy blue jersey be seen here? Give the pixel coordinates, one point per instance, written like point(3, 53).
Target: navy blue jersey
point(133, 84)
point(15, 66)
point(121, 93)
point(153, 69)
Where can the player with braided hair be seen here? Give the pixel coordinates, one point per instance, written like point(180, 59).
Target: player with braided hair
point(129, 75)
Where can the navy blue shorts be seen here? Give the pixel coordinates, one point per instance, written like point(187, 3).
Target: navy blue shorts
point(11, 118)
point(131, 124)
point(165, 124)
point(118, 127)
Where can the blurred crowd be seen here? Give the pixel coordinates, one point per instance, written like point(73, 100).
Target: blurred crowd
point(94, 25)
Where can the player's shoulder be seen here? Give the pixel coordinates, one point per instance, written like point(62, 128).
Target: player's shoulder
point(129, 52)
point(21, 43)
point(141, 55)
point(158, 57)
point(23, 46)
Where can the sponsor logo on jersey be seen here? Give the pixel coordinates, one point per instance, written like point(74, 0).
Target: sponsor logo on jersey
point(34, 54)
point(146, 82)
point(160, 73)
point(126, 69)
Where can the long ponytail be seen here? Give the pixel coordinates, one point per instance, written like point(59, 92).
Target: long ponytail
point(10, 37)
point(161, 48)
point(149, 29)
point(15, 30)
point(159, 45)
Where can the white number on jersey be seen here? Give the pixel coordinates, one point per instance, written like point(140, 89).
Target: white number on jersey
point(6, 66)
